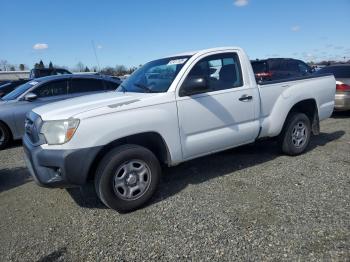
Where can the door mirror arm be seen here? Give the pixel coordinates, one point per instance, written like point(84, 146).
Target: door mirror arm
point(193, 86)
point(30, 97)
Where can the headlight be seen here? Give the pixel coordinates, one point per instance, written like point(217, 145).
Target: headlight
point(58, 132)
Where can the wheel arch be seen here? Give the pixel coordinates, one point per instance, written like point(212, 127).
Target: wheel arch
point(309, 108)
point(8, 128)
point(150, 140)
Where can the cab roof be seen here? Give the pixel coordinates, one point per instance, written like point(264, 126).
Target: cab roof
point(204, 51)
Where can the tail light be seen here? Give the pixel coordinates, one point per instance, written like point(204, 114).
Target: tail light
point(264, 74)
point(342, 87)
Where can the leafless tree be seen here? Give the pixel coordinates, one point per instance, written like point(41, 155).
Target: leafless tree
point(4, 65)
point(120, 70)
point(80, 67)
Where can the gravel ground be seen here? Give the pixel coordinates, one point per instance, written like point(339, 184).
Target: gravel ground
point(249, 203)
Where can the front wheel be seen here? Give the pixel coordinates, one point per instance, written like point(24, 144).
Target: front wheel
point(296, 134)
point(127, 177)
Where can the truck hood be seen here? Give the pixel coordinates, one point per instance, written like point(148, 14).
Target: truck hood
point(105, 103)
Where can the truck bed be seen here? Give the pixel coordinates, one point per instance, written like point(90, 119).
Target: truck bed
point(277, 97)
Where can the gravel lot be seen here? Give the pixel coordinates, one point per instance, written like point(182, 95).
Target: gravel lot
point(245, 204)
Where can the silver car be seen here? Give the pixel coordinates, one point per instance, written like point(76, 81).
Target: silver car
point(15, 105)
point(341, 73)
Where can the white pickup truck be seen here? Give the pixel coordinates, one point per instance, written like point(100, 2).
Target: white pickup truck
point(169, 111)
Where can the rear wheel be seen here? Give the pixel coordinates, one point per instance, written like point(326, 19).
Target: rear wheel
point(296, 134)
point(127, 177)
point(5, 136)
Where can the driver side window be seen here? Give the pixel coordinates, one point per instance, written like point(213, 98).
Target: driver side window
point(216, 72)
point(303, 68)
point(54, 88)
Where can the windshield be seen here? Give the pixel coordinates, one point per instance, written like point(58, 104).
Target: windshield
point(155, 76)
point(20, 90)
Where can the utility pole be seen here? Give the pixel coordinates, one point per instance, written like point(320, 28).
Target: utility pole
point(94, 48)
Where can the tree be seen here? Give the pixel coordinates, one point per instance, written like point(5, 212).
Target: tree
point(80, 67)
point(132, 70)
point(22, 67)
point(87, 69)
point(120, 70)
point(50, 65)
point(41, 64)
point(36, 66)
point(12, 68)
point(108, 71)
point(4, 65)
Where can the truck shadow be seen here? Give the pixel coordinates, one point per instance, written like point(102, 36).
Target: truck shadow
point(14, 144)
point(11, 178)
point(197, 171)
point(341, 114)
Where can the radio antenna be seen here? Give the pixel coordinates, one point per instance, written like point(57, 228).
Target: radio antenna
point(94, 48)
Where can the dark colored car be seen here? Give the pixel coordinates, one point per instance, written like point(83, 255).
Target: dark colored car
point(4, 82)
point(279, 68)
point(41, 72)
point(10, 86)
point(15, 105)
point(341, 73)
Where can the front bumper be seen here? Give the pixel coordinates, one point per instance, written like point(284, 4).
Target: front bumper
point(58, 168)
point(342, 101)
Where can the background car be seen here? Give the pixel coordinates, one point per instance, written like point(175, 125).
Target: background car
point(10, 86)
point(41, 72)
point(341, 73)
point(279, 68)
point(15, 105)
point(4, 82)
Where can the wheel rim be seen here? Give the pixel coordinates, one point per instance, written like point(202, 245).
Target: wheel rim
point(2, 136)
point(299, 134)
point(131, 180)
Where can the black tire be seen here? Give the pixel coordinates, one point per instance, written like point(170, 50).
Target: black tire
point(5, 136)
point(116, 160)
point(289, 143)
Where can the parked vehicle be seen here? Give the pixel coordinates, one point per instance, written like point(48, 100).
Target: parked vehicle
point(280, 68)
point(4, 82)
point(123, 77)
point(118, 140)
point(10, 86)
point(341, 73)
point(41, 72)
point(116, 78)
point(15, 105)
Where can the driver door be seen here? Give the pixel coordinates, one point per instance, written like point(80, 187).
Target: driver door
point(222, 116)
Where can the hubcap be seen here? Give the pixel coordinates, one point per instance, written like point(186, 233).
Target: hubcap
point(132, 180)
point(299, 134)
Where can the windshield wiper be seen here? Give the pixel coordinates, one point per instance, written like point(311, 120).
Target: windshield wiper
point(139, 85)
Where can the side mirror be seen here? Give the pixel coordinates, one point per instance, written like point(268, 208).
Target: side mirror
point(30, 97)
point(193, 86)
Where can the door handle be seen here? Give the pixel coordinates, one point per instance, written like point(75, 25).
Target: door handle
point(245, 98)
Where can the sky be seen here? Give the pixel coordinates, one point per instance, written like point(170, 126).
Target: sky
point(133, 32)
